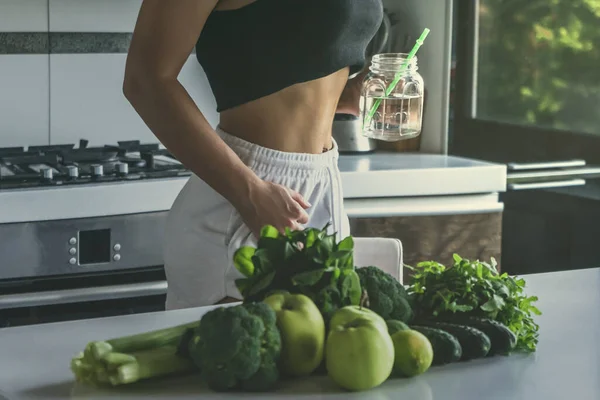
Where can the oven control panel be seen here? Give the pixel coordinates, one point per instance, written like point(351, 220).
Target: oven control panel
point(93, 247)
point(51, 248)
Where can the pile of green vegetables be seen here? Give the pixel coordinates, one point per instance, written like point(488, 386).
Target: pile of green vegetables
point(310, 262)
point(466, 311)
point(238, 347)
point(475, 289)
point(470, 311)
point(229, 348)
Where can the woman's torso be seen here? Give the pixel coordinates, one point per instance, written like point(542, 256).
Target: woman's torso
point(278, 67)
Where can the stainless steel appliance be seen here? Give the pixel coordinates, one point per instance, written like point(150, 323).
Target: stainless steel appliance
point(74, 235)
point(347, 133)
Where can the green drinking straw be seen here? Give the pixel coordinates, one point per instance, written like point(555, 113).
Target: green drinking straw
point(398, 76)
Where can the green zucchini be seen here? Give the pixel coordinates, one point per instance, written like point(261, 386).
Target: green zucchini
point(395, 326)
point(474, 343)
point(446, 347)
point(502, 338)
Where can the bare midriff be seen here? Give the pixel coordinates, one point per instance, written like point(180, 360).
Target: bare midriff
point(297, 119)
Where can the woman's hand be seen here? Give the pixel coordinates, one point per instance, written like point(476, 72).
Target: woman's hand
point(272, 204)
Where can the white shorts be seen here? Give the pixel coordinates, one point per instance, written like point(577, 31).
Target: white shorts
point(204, 230)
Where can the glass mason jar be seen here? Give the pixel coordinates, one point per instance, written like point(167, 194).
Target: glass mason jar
point(399, 115)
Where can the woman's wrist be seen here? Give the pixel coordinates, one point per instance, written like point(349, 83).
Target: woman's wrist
point(245, 187)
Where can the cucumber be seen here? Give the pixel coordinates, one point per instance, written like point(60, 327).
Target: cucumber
point(446, 347)
point(474, 343)
point(395, 326)
point(502, 338)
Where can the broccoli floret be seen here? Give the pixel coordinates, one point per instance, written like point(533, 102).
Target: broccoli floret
point(238, 347)
point(395, 326)
point(328, 301)
point(264, 378)
point(387, 297)
point(262, 311)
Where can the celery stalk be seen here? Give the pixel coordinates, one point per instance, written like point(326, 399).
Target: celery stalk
point(132, 358)
point(153, 363)
point(141, 341)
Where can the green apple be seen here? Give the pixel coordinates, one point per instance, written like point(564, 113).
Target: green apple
point(350, 313)
point(302, 331)
point(359, 354)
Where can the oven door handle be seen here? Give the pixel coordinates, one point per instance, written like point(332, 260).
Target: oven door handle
point(51, 297)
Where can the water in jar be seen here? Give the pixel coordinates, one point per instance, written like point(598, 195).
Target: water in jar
point(398, 116)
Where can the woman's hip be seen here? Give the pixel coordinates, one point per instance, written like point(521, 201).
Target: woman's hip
point(204, 230)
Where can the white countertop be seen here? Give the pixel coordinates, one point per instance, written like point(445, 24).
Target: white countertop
point(369, 176)
point(35, 360)
point(410, 175)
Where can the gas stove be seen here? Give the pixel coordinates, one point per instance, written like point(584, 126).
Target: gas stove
point(66, 165)
point(65, 182)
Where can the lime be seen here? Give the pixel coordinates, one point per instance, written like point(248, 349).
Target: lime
point(413, 352)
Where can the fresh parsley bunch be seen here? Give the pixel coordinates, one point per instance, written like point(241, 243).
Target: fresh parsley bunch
point(475, 288)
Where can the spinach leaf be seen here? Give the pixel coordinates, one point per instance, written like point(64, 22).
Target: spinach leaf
point(340, 259)
point(327, 244)
point(311, 237)
point(306, 261)
point(350, 288)
point(288, 251)
point(346, 244)
point(308, 278)
point(261, 284)
point(335, 275)
point(262, 262)
point(242, 285)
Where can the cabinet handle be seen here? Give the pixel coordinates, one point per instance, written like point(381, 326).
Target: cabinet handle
point(545, 185)
point(546, 165)
point(588, 172)
point(407, 207)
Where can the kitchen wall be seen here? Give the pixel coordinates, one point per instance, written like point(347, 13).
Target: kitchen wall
point(24, 72)
point(61, 72)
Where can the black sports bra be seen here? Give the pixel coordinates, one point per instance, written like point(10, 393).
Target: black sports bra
point(268, 45)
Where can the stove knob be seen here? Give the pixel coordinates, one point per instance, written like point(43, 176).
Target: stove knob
point(73, 172)
point(149, 159)
point(97, 170)
point(47, 173)
point(122, 168)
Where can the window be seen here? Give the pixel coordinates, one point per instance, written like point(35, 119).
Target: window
point(528, 80)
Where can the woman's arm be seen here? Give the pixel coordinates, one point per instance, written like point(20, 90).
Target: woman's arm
point(164, 36)
point(349, 102)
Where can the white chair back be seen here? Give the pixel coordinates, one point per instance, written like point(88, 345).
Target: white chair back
point(383, 253)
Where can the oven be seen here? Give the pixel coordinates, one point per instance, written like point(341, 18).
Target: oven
point(81, 268)
point(81, 230)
